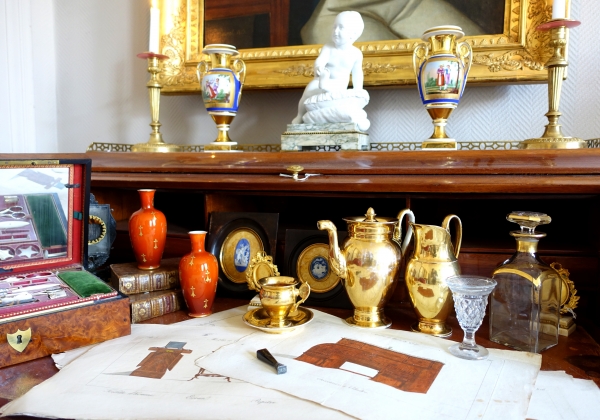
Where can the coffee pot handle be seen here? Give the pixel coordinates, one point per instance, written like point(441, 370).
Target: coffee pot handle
point(303, 291)
point(398, 229)
point(458, 238)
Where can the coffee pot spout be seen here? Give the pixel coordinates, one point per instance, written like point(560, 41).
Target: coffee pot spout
point(336, 258)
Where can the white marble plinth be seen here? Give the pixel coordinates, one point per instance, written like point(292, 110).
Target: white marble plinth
point(345, 135)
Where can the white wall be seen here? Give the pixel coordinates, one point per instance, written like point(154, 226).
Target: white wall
point(27, 77)
point(101, 93)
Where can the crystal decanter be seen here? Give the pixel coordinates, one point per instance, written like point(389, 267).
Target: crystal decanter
point(525, 305)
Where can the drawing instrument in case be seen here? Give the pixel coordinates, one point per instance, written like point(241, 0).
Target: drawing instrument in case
point(49, 302)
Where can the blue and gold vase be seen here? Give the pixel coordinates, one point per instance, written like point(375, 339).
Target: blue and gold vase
point(221, 82)
point(441, 66)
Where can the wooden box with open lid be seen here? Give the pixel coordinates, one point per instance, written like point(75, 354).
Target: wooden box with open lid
point(49, 303)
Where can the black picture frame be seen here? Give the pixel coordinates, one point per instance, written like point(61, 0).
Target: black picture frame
point(255, 228)
point(297, 241)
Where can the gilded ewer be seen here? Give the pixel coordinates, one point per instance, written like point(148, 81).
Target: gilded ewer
point(368, 263)
point(434, 259)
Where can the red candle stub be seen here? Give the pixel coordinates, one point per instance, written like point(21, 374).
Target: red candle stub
point(149, 54)
point(557, 23)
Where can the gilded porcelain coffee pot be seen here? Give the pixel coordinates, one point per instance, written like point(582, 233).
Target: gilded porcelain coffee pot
point(368, 263)
point(434, 259)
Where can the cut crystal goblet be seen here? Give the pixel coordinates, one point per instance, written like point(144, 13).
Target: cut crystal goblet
point(470, 300)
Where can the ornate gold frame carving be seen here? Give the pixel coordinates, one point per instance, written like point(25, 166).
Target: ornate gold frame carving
point(569, 298)
point(516, 55)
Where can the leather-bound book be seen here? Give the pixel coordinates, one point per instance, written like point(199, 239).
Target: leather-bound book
point(129, 279)
point(152, 304)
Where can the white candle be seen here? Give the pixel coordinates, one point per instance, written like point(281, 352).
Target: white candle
point(154, 28)
point(559, 9)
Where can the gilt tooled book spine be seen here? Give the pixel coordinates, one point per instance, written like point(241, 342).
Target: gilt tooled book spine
point(131, 280)
point(152, 304)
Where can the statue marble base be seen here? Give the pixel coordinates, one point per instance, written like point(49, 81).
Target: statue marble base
point(307, 136)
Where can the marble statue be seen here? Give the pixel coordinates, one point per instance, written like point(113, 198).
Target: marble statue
point(326, 98)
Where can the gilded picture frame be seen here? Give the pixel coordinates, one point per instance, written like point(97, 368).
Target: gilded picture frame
point(517, 55)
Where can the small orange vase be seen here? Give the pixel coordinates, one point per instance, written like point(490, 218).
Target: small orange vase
point(198, 275)
point(148, 232)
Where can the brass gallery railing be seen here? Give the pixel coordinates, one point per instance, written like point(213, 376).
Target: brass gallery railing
point(378, 147)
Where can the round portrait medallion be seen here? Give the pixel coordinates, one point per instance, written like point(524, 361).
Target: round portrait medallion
point(319, 268)
point(241, 255)
point(313, 268)
point(237, 250)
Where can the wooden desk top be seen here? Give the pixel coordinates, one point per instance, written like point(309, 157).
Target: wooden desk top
point(577, 355)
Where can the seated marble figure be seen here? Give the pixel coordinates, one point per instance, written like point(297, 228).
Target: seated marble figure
point(326, 98)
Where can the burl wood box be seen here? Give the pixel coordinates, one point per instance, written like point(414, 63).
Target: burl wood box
point(49, 303)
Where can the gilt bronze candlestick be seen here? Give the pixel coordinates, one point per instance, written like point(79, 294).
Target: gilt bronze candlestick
point(156, 143)
point(553, 137)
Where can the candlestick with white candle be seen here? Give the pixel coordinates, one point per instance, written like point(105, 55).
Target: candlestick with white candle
point(559, 9)
point(154, 28)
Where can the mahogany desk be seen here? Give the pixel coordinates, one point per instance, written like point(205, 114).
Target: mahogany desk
point(577, 355)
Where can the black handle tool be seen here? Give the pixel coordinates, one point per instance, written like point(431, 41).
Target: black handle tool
point(264, 356)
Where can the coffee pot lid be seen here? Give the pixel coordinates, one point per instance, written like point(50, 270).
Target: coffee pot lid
point(369, 218)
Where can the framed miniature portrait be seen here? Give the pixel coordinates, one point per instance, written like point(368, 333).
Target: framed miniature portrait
point(234, 238)
point(307, 259)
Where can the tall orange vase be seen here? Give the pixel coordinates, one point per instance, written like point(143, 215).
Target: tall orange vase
point(148, 232)
point(198, 275)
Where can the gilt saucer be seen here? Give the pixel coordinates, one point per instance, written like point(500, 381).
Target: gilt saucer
point(259, 319)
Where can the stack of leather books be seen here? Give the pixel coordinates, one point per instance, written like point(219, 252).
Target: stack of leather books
point(152, 293)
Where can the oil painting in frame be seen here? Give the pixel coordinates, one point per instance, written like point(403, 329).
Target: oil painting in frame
point(516, 55)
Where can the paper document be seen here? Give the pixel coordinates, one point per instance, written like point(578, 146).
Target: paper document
point(558, 396)
point(152, 374)
point(395, 369)
point(207, 368)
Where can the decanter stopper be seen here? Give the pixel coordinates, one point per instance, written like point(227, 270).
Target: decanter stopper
point(528, 220)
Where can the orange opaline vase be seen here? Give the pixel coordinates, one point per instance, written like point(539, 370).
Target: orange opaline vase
point(198, 275)
point(148, 232)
